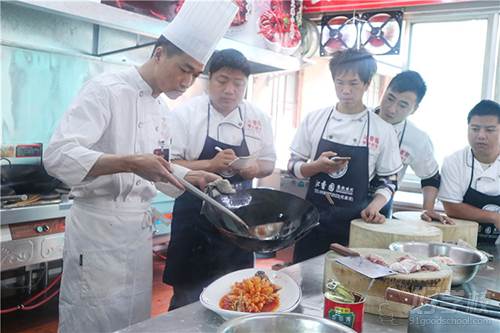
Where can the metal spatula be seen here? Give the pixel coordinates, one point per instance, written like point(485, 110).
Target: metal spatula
point(266, 231)
point(360, 264)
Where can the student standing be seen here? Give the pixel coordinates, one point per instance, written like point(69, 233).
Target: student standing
point(210, 131)
point(340, 188)
point(470, 186)
point(401, 99)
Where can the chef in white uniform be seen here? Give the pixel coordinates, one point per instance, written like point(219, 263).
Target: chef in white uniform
point(401, 99)
point(345, 190)
point(209, 132)
point(470, 184)
point(103, 148)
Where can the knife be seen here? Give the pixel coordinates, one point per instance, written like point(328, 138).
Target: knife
point(492, 294)
point(415, 300)
point(360, 264)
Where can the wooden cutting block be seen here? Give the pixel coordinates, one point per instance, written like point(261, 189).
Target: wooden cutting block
point(422, 283)
point(380, 236)
point(462, 229)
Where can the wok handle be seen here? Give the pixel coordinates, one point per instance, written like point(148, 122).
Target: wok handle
point(404, 297)
point(345, 251)
point(492, 294)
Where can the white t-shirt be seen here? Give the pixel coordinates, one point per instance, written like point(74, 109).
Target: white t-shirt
point(456, 176)
point(351, 129)
point(114, 113)
point(416, 151)
point(188, 124)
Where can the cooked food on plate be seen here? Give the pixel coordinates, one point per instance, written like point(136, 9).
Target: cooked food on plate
point(255, 294)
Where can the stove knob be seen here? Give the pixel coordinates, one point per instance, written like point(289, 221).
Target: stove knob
point(42, 228)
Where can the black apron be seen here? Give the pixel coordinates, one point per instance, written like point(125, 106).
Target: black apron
point(387, 209)
point(348, 189)
point(488, 233)
point(197, 254)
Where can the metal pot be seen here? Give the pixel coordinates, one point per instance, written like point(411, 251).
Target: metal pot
point(467, 261)
point(282, 322)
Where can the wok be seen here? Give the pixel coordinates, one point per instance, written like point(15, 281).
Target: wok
point(26, 178)
point(262, 206)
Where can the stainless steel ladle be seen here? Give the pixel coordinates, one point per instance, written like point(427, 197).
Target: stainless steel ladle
point(266, 231)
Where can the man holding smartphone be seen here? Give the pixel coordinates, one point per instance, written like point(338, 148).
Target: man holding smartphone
point(341, 149)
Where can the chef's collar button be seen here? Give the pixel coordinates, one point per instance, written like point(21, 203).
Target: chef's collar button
point(138, 182)
point(141, 93)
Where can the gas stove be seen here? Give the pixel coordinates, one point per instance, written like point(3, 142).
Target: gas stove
point(33, 207)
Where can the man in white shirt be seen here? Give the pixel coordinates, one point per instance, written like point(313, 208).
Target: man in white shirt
point(400, 100)
point(209, 132)
point(341, 149)
point(470, 184)
point(103, 148)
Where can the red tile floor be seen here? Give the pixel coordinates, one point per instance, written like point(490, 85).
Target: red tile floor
point(45, 318)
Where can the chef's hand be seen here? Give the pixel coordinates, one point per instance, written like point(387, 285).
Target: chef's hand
point(153, 168)
point(251, 171)
point(432, 215)
point(372, 215)
point(201, 178)
point(324, 164)
point(221, 161)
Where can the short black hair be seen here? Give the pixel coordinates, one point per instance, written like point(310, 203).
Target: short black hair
point(168, 46)
point(409, 81)
point(358, 61)
point(485, 108)
point(229, 58)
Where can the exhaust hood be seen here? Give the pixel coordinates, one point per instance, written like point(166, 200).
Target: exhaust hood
point(102, 15)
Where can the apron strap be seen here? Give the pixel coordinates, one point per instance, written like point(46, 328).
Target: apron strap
point(242, 128)
point(402, 134)
point(326, 122)
point(472, 169)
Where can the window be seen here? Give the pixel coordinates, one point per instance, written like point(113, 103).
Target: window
point(456, 51)
point(450, 58)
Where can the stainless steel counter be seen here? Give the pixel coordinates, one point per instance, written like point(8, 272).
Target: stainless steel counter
point(309, 274)
point(34, 213)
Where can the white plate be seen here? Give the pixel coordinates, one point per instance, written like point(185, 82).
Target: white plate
point(290, 293)
point(242, 162)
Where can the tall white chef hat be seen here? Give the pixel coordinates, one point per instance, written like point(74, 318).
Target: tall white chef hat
point(199, 26)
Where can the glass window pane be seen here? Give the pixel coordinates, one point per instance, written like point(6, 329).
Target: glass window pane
point(450, 57)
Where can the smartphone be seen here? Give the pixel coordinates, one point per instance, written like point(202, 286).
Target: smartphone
point(340, 158)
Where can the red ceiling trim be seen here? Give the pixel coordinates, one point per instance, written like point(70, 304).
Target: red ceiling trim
point(324, 6)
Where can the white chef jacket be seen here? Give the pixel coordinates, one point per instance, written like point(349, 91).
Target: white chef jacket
point(416, 151)
point(114, 113)
point(350, 129)
point(189, 129)
point(456, 173)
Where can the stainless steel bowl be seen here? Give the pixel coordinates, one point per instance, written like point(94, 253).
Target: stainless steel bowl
point(467, 261)
point(283, 323)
